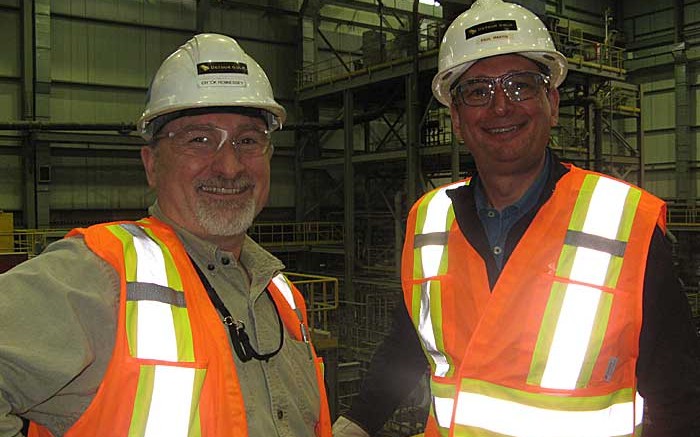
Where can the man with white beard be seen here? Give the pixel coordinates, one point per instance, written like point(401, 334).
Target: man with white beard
point(178, 324)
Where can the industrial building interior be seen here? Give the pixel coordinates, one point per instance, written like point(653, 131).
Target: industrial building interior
point(364, 138)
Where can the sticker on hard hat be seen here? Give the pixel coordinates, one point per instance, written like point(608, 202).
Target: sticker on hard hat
point(222, 80)
point(222, 67)
point(491, 26)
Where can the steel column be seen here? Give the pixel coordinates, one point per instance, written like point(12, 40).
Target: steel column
point(454, 158)
point(412, 111)
point(349, 195)
point(684, 192)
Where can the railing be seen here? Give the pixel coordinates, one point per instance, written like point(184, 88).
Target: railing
point(333, 70)
point(579, 51)
point(363, 324)
point(378, 257)
point(30, 241)
point(694, 301)
point(321, 296)
point(294, 234)
point(590, 53)
point(683, 216)
point(33, 241)
point(320, 292)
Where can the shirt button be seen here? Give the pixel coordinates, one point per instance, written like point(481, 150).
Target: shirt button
point(211, 267)
point(280, 414)
point(491, 214)
point(225, 260)
point(497, 250)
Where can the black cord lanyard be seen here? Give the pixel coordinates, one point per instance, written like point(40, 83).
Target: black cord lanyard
point(236, 328)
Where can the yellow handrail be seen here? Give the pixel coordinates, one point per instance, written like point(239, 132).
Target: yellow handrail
point(33, 241)
point(30, 241)
point(320, 292)
point(686, 215)
point(321, 295)
point(694, 301)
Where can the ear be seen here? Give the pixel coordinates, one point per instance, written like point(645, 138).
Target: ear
point(553, 97)
point(454, 115)
point(149, 159)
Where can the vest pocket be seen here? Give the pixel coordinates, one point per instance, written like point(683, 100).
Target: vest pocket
point(300, 373)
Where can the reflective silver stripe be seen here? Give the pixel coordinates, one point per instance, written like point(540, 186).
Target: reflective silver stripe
point(155, 335)
point(283, 286)
point(435, 221)
point(432, 248)
point(571, 337)
point(590, 266)
point(443, 411)
point(169, 411)
point(425, 328)
point(433, 238)
point(154, 292)
point(514, 419)
point(595, 242)
point(281, 282)
point(606, 207)
point(151, 265)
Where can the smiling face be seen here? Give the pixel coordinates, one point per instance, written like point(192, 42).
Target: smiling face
point(506, 138)
point(215, 196)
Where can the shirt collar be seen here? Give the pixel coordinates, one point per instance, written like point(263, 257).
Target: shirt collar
point(527, 201)
point(253, 257)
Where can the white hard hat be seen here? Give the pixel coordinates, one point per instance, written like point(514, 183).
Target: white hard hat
point(491, 28)
point(208, 71)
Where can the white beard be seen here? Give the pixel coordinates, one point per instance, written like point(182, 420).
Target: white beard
point(226, 218)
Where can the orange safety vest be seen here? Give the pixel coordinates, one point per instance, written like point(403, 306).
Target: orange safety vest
point(551, 351)
point(171, 371)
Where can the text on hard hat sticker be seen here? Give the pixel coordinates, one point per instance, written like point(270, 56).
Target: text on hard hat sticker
point(222, 67)
point(222, 81)
point(491, 26)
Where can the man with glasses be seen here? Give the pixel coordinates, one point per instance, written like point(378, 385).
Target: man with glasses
point(178, 324)
point(543, 295)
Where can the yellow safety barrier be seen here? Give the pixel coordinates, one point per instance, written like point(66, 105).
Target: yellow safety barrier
point(271, 235)
point(683, 216)
point(320, 292)
point(30, 241)
point(6, 226)
point(321, 295)
point(297, 233)
point(332, 69)
point(694, 301)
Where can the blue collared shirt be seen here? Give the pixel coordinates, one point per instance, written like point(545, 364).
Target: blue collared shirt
point(498, 224)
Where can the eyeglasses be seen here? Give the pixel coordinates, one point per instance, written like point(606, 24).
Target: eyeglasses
point(479, 91)
point(204, 141)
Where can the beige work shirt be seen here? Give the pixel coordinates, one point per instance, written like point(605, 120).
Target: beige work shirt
point(58, 316)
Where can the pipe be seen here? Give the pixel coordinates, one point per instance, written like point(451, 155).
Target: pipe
point(122, 128)
point(126, 128)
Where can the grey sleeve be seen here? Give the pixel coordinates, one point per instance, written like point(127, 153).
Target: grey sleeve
point(58, 315)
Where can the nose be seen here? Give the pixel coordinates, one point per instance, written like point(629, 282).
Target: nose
point(500, 102)
point(226, 160)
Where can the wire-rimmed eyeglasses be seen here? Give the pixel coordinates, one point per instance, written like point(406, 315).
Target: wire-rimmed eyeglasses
point(518, 86)
point(205, 141)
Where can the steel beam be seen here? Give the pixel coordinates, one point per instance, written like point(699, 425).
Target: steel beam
point(684, 190)
point(349, 195)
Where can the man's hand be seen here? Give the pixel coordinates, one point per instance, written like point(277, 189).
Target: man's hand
point(344, 427)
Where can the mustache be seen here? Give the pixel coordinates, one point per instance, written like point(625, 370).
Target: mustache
point(238, 183)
